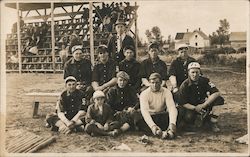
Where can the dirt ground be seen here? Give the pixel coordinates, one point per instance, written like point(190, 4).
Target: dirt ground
point(232, 120)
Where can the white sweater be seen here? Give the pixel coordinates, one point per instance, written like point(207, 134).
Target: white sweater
point(156, 102)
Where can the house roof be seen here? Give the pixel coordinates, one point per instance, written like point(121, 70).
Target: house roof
point(202, 34)
point(183, 36)
point(187, 35)
point(238, 36)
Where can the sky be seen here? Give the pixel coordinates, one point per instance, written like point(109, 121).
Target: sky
point(175, 16)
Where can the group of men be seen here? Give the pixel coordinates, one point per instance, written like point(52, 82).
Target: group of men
point(121, 94)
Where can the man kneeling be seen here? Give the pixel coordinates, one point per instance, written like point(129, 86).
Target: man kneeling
point(71, 109)
point(198, 96)
point(158, 109)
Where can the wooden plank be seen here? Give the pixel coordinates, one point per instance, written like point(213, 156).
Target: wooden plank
point(19, 40)
point(41, 94)
point(53, 36)
point(92, 51)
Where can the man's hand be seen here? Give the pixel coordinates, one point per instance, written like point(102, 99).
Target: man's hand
point(175, 90)
point(71, 125)
point(130, 110)
point(199, 107)
point(99, 126)
point(64, 129)
point(170, 132)
point(156, 130)
point(106, 127)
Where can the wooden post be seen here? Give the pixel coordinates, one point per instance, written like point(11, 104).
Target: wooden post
point(92, 50)
point(136, 34)
point(19, 39)
point(35, 109)
point(52, 37)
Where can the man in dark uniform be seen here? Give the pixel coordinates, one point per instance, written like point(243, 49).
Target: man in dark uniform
point(198, 96)
point(71, 109)
point(131, 67)
point(178, 69)
point(104, 73)
point(80, 68)
point(153, 65)
point(117, 42)
point(123, 100)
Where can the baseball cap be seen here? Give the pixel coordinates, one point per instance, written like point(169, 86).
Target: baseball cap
point(154, 76)
point(98, 94)
point(102, 48)
point(194, 65)
point(76, 47)
point(153, 45)
point(122, 74)
point(70, 78)
point(120, 22)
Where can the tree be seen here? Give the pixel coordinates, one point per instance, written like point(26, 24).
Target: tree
point(221, 36)
point(154, 35)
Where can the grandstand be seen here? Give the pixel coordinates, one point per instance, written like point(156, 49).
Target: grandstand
point(46, 26)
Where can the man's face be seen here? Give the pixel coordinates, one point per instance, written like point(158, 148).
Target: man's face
point(155, 84)
point(129, 54)
point(99, 101)
point(103, 56)
point(77, 55)
point(71, 86)
point(194, 74)
point(121, 82)
point(79, 85)
point(153, 53)
point(183, 52)
point(120, 29)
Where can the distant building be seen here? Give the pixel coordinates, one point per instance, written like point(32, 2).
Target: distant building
point(238, 40)
point(197, 39)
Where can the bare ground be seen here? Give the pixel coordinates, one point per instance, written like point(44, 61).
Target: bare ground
point(232, 120)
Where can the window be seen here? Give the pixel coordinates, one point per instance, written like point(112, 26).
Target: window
point(196, 36)
point(196, 44)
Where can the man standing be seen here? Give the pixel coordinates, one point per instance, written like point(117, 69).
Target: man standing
point(71, 109)
point(117, 42)
point(104, 73)
point(198, 96)
point(80, 68)
point(153, 65)
point(158, 109)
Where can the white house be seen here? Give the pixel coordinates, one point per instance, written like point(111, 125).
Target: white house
point(196, 39)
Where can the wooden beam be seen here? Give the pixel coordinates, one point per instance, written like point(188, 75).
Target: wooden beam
point(53, 36)
point(48, 16)
point(27, 13)
point(19, 39)
point(38, 13)
point(92, 50)
point(136, 33)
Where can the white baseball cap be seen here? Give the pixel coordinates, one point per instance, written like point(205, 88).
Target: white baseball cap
point(98, 94)
point(194, 65)
point(76, 47)
point(70, 78)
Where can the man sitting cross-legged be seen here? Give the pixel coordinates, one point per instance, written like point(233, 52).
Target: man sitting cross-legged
point(71, 109)
point(158, 109)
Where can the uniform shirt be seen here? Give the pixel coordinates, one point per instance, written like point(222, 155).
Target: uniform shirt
point(121, 98)
point(132, 68)
point(116, 55)
point(71, 103)
point(148, 67)
point(103, 73)
point(178, 68)
point(93, 113)
point(81, 70)
point(157, 102)
point(196, 93)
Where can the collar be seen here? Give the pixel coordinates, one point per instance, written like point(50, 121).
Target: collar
point(156, 61)
point(190, 82)
point(121, 36)
point(73, 61)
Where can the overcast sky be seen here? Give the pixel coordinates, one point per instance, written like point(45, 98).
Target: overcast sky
point(176, 16)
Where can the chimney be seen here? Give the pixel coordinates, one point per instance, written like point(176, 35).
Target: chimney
point(187, 29)
point(199, 29)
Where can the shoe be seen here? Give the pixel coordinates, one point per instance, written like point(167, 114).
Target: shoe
point(79, 128)
point(114, 133)
point(215, 127)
